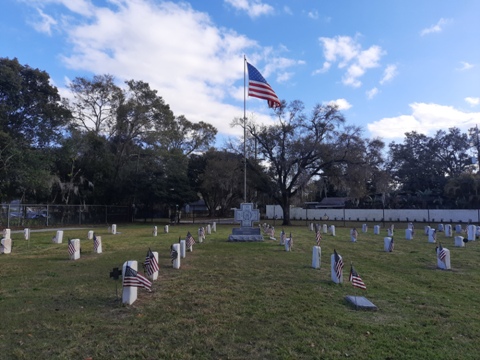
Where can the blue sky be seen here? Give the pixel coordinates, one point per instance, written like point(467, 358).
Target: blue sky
point(391, 66)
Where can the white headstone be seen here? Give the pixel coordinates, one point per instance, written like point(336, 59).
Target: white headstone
point(311, 226)
point(408, 234)
point(90, 235)
point(114, 229)
point(183, 248)
point(76, 254)
point(26, 233)
point(209, 229)
point(214, 226)
point(459, 241)
point(325, 228)
point(376, 229)
point(332, 229)
point(471, 232)
point(353, 235)
point(288, 244)
point(432, 236)
point(427, 230)
point(448, 230)
point(165, 229)
point(364, 228)
point(176, 262)
point(389, 232)
point(7, 234)
point(155, 231)
point(440, 227)
point(201, 234)
point(5, 246)
point(97, 248)
point(316, 257)
point(387, 244)
point(335, 278)
point(458, 229)
point(129, 293)
point(283, 236)
point(445, 264)
point(58, 239)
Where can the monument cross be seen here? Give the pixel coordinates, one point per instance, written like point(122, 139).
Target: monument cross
point(246, 215)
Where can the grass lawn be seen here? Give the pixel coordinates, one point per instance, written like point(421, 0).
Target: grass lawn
point(239, 300)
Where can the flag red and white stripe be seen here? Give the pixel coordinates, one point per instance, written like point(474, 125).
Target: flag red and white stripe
point(356, 280)
point(338, 265)
point(133, 279)
point(151, 263)
point(71, 247)
point(258, 87)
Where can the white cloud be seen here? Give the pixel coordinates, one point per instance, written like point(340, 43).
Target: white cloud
point(341, 103)
point(43, 23)
point(348, 53)
point(389, 73)
point(284, 77)
point(473, 101)
point(326, 66)
point(425, 119)
point(438, 27)
point(372, 93)
point(254, 8)
point(287, 10)
point(194, 65)
point(465, 66)
point(313, 14)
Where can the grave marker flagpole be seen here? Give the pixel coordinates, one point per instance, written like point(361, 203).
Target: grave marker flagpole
point(244, 129)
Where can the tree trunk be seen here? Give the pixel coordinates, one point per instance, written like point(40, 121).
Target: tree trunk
point(286, 213)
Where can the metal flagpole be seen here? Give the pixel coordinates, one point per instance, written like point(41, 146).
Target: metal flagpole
point(244, 130)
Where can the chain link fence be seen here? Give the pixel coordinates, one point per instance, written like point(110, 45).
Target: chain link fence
point(35, 215)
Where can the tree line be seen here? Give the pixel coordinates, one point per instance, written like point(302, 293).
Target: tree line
point(111, 144)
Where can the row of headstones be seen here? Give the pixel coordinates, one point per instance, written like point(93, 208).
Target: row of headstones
point(74, 244)
point(325, 228)
point(285, 241)
point(209, 228)
point(269, 231)
point(472, 230)
point(178, 251)
point(443, 259)
point(6, 241)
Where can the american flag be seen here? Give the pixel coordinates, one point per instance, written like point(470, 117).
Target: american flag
point(338, 266)
point(391, 245)
point(356, 279)
point(318, 237)
point(189, 241)
point(71, 247)
point(173, 253)
point(151, 263)
point(259, 88)
point(96, 243)
point(132, 278)
point(441, 253)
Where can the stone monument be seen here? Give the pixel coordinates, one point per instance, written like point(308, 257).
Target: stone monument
point(246, 216)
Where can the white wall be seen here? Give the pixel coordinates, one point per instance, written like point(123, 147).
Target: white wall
point(428, 215)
